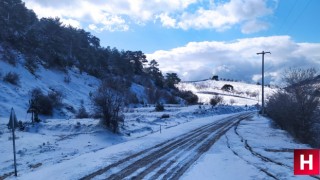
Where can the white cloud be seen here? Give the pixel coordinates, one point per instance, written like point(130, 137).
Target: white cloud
point(111, 23)
point(71, 22)
point(254, 26)
point(90, 12)
point(118, 14)
point(93, 27)
point(238, 59)
point(206, 19)
point(223, 16)
point(167, 21)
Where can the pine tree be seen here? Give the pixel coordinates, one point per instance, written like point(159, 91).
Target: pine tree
point(155, 73)
point(172, 79)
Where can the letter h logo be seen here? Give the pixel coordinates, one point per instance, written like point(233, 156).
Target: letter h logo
point(306, 162)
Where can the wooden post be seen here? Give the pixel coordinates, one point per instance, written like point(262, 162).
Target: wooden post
point(13, 119)
point(32, 118)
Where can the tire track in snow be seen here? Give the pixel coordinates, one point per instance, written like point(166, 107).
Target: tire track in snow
point(261, 169)
point(181, 154)
point(177, 154)
point(260, 156)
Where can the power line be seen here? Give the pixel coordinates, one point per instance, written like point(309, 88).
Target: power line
point(270, 66)
point(298, 17)
point(288, 15)
point(269, 69)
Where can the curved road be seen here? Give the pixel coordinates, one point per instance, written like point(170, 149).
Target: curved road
point(170, 159)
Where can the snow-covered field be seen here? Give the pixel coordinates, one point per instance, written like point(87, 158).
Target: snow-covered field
point(242, 94)
point(143, 121)
point(56, 140)
point(70, 149)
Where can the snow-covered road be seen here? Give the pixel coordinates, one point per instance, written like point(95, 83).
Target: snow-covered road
point(255, 148)
point(169, 159)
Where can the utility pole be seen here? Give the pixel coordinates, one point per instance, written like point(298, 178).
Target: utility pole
point(262, 84)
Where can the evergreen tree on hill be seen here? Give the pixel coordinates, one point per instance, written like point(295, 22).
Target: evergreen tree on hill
point(155, 73)
point(171, 80)
point(15, 20)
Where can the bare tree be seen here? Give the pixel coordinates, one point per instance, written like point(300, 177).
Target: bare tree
point(107, 105)
point(299, 81)
point(294, 108)
point(296, 76)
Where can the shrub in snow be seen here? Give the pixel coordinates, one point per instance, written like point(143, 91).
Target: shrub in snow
point(55, 97)
point(248, 93)
point(31, 63)
point(12, 78)
point(165, 116)
point(159, 107)
point(296, 108)
point(45, 104)
point(132, 98)
point(70, 108)
point(9, 56)
point(232, 101)
point(107, 105)
point(67, 79)
point(189, 97)
point(254, 94)
point(82, 113)
point(21, 126)
point(215, 78)
point(78, 125)
point(216, 100)
point(227, 87)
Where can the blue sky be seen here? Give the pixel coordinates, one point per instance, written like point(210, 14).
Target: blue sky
point(198, 38)
point(295, 18)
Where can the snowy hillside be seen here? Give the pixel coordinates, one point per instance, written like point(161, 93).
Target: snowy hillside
point(74, 92)
point(242, 94)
